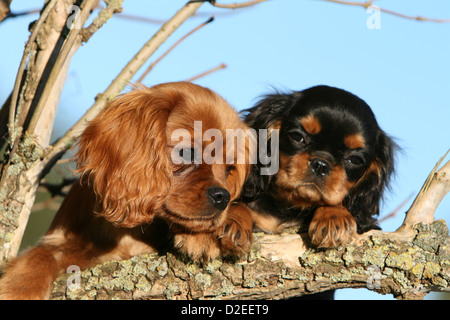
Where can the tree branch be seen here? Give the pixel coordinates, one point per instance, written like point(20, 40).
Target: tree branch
point(278, 267)
point(209, 71)
point(430, 196)
point(87, 7)
point(236, 5)
point(26, 53)
point(25, 158)
point(150, 68)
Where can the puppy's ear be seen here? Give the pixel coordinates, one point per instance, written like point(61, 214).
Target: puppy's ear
point(268, 113)
point(123, 156)
point(364, 198)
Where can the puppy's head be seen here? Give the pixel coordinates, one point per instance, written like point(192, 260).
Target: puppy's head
point(149, 152)
point(332, 151)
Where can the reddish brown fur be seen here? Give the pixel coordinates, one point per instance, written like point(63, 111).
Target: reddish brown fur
point(128, 193)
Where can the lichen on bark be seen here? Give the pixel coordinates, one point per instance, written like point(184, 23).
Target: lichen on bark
point(405, 268)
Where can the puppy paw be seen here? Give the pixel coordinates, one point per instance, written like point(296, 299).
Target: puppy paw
point(331, 227)
point(201, 247)
point(235, 239)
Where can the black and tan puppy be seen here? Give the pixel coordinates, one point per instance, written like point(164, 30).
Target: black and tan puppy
point(334, 164)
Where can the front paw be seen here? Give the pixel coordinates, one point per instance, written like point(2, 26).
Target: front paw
point(201, 247)
point(236, 238)
point(331, 227)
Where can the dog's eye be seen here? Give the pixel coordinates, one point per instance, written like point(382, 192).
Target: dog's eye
point(229, 169)
point(296, 136)
point(355, 160)
point(187, 155)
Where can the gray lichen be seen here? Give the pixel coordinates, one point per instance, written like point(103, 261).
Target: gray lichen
point(403, 268)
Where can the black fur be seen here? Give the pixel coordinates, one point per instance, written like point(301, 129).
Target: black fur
point(340, 113)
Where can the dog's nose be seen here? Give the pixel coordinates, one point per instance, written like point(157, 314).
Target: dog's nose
point(320, 167)
point(219, 197)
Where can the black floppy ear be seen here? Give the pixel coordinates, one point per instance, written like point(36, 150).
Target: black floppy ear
point(267, 114)
point(364, 198)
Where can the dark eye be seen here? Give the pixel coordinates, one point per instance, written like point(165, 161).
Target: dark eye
point(355, 161)
point(229, 169)
point(187, 155)
point(296, 136)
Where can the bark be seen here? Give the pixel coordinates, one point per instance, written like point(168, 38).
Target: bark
point(23, 166)
point(278, 267)
point(4, 8)
point(32, 107)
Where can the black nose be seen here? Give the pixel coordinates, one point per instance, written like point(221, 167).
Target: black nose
point(219, 197)
point(320, 167)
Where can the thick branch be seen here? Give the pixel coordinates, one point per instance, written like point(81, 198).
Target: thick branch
point(430, 196)
point(278, 267)
point(25, 165)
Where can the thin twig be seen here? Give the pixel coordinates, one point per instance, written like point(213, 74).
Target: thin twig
point(396, 210)
point(150, 68)
point(201, 75)
point(367, 4)
point(21, 13)
point(237, 5)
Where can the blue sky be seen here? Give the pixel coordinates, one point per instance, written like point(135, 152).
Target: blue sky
point(402, 70)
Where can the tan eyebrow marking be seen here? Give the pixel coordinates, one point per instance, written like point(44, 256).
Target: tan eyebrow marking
point(355, 141)
point(311, 124)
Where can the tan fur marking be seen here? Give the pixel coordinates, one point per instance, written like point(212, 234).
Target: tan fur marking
point(311, 124)
point(355, 141)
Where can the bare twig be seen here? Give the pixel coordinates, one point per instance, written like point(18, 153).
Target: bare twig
point(59, 189)
point(104, 15)
point(201, 75)
point(133, 17)
point(236, 5)
point(397, 209)
point(21, 13)
point(367, 4)
point(150, 68)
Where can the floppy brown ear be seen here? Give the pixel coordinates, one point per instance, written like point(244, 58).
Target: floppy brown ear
point(123, 156)
point(364, 199)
